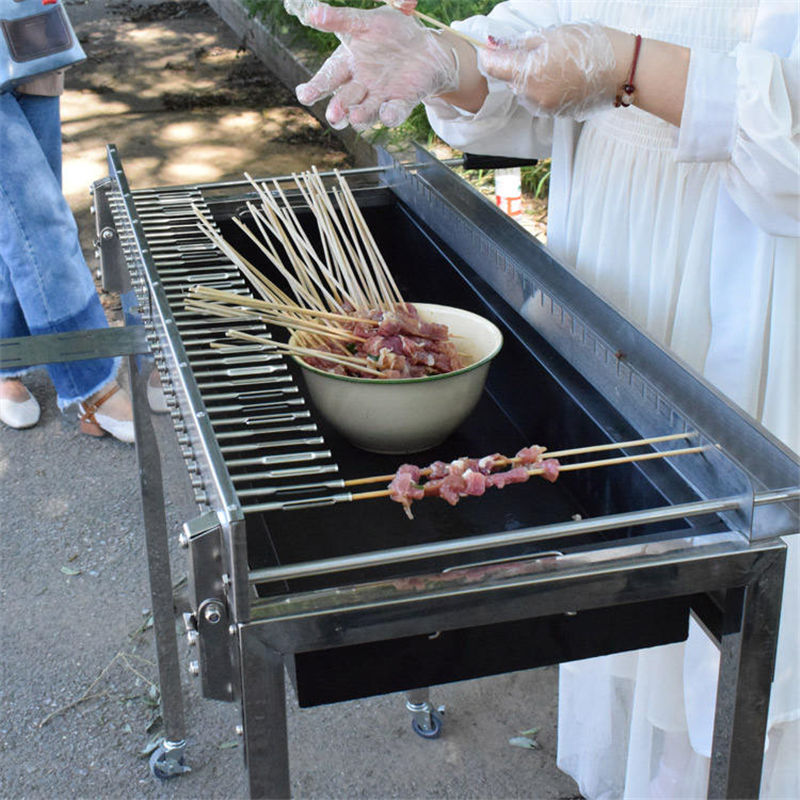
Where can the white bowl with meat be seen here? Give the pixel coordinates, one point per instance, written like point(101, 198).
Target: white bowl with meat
point(397, 415)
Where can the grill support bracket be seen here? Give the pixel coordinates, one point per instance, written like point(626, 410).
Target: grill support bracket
point(211, 618)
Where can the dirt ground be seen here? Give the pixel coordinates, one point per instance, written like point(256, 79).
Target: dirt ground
point(167, 83)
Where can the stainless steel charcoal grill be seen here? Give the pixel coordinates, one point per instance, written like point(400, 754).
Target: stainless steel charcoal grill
point(288, 574)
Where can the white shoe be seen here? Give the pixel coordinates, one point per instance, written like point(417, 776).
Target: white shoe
point(97, 424)
point(22, 414)
point(155, 394)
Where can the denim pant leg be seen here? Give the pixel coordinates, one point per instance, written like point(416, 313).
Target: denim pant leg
point(44, 117)
point(12, 320)
point(45, 285)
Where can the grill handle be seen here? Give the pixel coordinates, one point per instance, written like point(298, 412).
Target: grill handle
point(475, 161)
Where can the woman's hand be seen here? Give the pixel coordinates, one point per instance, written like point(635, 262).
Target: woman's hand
point(387, 64)
point(578, 69)
point(564, 70)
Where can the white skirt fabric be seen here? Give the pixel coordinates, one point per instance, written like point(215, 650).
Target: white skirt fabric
point(655, 266)
point(636, 207)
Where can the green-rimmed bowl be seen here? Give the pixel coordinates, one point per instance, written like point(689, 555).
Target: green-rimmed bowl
point(410, 414)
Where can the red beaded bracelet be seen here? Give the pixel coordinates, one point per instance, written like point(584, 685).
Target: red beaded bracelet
point(625, 98)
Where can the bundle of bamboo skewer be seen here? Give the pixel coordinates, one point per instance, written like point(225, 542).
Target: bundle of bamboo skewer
point(337, 293)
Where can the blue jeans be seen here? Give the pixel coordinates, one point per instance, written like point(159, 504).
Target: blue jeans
point(45, 284)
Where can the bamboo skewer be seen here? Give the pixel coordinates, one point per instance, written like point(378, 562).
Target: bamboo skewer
point(555, 454)
point(293, 318)
point(227, 312)
point(347, 361)
point(326, 265)
point(606, 462)
point(296, 286)
point(237, 299)
point(334, 230)
point(437, 24)
point(351, 269)
point(367, 234)
point(376, 295)
point(263, 286)
point(272, 319)
point(278, 219)
point(292, 224)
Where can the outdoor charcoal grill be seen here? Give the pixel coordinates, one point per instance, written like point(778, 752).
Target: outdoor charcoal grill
point(353, 599)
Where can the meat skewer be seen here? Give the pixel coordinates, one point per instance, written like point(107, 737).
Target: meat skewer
point(575, 451)
point(341, 295)
point(461, 481)
point(506, 477)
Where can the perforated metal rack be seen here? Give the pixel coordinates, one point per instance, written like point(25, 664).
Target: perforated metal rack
point(286, 572)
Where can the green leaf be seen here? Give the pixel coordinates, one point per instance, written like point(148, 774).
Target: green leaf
point(524, 742)
point(229, 745)
point(70, 571)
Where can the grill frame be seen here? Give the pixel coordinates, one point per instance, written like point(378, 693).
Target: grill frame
point(245, 642)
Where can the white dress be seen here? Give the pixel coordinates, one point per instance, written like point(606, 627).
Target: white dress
point(694, 233)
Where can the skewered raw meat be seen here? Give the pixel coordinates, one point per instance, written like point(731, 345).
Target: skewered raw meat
point(514, 475)
point(405, 487)
point(468, 477)
point(401, 345)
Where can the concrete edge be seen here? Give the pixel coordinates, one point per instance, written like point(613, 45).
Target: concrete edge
point(287, 68)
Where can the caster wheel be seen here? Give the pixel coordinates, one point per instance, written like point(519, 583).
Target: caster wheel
point(162, 770)
point(432, 733)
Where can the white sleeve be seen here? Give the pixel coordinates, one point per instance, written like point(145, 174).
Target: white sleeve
point(743, 110)
point(501, 126)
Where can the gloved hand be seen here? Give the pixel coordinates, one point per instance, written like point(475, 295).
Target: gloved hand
point(565, 70)
point(387, 64)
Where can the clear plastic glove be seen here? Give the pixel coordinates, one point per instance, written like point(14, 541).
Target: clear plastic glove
point(387, 64)
point(563, 71)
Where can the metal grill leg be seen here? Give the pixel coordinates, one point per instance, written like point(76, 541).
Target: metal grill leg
point(168, 760)
point(264, 718)
point(747, 661)
point(425, 721)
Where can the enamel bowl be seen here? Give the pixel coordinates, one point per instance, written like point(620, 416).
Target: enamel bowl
point(410, 414)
